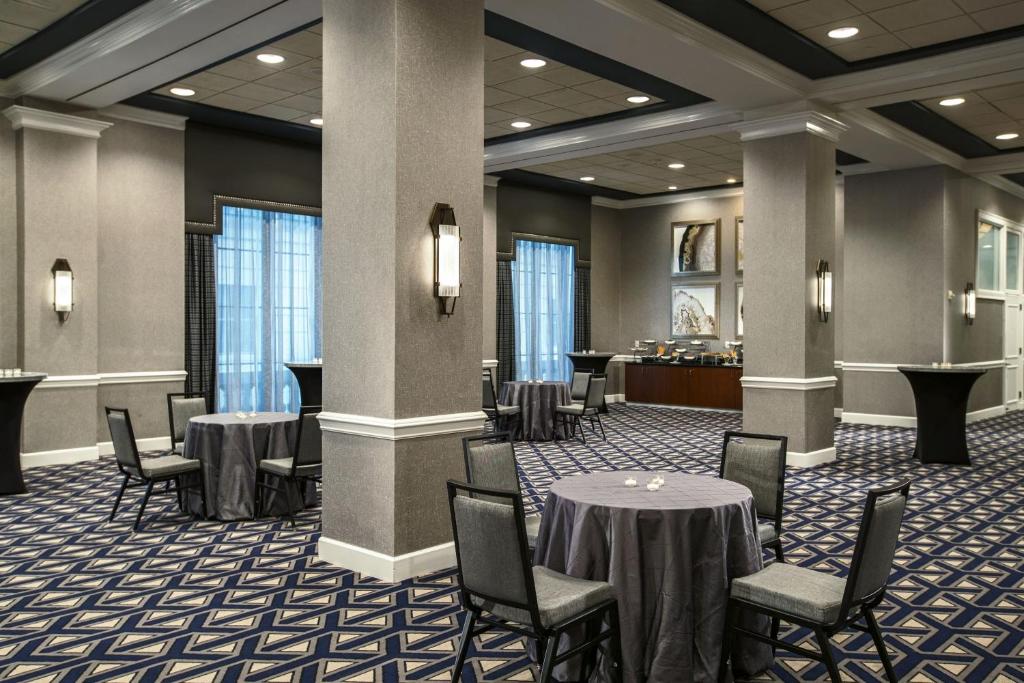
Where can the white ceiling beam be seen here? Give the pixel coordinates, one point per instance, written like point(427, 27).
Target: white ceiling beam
point(998, 163)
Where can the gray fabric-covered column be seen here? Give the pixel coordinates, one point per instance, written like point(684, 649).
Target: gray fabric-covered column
point(789, 220)
point(403, 113)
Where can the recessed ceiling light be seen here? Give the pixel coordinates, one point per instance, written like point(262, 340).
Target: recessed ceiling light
point(183, 92)
point(270, 58)
point(952, 101)
point(676, 165)
point(317, 121)
point(520, 124)
point(533, 63)
point(730, 180)
point(1008, 136)
point(638, 99)
point(587, 178)
point(844, 32)
point(672, 187)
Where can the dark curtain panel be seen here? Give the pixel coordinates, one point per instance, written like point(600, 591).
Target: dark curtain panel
point(581, 325)
point(200, 316)
point(506, 321)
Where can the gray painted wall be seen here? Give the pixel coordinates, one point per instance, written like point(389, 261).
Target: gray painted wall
point(542, 212)
point(8, 245)
point(606, 278)
point(489, 272)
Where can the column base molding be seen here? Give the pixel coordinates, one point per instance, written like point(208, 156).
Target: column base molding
point(789, 383)
point(403, 428)
point(388, 568)
point(819, 457)
point(910, 421)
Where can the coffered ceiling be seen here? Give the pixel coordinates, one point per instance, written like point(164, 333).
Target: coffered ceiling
point(708, 161)
point(22, 19)
point(987, 113)
point(891, 26)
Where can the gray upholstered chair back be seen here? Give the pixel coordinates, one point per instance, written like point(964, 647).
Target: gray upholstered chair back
point(876, 547)
point(489, 401)
point(183, 409)
point(308, 450)
point(578, 389)
point(595, 392)
point(492, 466)
point(123, 437)
point(491, 556)
point(756, 464)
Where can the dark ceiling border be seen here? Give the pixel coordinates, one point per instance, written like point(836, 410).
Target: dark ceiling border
point(1015, 178)
point(579, 123)
point(919, 119)
point(759, 31)
point(67, 30)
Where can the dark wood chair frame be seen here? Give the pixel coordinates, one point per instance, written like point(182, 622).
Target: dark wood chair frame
point(491, 411)
point(494, 437)
point(574, 421)
point(170, 409)
point(850, 610)
point(776, 519)
point(135, 480)
point(477, 622)
point(290, 485)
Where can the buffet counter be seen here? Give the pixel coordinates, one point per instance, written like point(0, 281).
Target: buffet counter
point(684, 383)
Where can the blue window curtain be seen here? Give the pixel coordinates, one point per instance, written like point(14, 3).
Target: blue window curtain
point(543, 297)
point(268, 306)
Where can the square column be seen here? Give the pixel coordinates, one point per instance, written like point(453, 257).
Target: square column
point(403, 130)
point(789, 353)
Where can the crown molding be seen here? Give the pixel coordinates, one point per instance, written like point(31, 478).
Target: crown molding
point(663, 199)
point(811, 122)
point(491, 180)
point(40, 119)
point(144, 116)
point(879, 125)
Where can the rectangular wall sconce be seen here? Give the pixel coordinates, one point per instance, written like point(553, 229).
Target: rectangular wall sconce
point(970, 303)
point(824, 290)
point(447, 247)
point(63, 289)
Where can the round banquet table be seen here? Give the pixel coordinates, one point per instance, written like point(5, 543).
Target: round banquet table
point(14, 392)
point(230, 447)
point(669, 555)
point(537, 401)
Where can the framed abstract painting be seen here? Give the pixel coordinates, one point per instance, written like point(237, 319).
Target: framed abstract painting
point(696, 247)
point(695, 311)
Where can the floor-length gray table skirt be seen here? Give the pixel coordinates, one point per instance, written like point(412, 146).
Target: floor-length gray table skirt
point(670, 555)
point(537, 401)
point(230, 447)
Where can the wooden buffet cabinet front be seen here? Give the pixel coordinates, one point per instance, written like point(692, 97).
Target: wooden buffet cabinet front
point(701, 386)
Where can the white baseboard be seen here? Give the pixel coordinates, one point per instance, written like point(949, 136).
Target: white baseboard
point(63, 456)
point(389, 568)
point(910, 421)
point(614, 398)
point(820, 457)
point(837, 412)
point(156, 443)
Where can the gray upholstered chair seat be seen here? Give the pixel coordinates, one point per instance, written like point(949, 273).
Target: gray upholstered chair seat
point(574, 409)
point(766, 532)
point(283, 467)
point(559, 597)
point(507, 410)
point(795, 590)
point(168, 466)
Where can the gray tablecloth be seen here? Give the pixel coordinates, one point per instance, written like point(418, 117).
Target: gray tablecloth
point(538, 401)
point(229, 448)
point(669, 555)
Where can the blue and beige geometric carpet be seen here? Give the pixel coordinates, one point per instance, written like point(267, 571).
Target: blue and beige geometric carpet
point(85, 600)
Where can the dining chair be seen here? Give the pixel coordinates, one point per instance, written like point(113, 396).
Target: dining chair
point(497, 413)
point(491, 464)
point(139, 472)
point(290, 473)
point(500, 588)
point(578, 388)
point(572, 415)
point(182, 407)
point(758, 461)
point(825, 603)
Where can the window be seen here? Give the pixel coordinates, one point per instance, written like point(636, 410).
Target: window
point(268, 306)
point(1013, 260)
point(988, 256)
point(543, 298)
point(998, 268)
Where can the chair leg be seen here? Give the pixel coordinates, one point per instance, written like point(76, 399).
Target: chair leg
point(204, 512)
point(583, 435)
point(464, 643)
point(288, 486)
point(142, 508)
point(601, 425)
point(591, 630)
point(550, 652)
point(826, 653)
point(727, 641)
point(615, 645)
point(177, 490)
point(117, 501)
point(883, 654)
point(778, 551)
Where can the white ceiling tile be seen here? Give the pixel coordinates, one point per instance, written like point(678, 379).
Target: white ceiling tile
point(915, 13)
point(303, 103)
point(870, 47)
point(275, 111)
point(259, 93)
point(225, 101)
point(1004, 16)
point(939, 31)
point(528, 86)
point(815, 13)
point(288, 82)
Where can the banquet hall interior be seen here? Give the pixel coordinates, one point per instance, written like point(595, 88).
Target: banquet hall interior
point(649, 341)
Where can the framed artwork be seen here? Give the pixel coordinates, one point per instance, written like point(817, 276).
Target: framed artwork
point(739, 310)
point(695, 248)
point(695, 311)
point(739, 244)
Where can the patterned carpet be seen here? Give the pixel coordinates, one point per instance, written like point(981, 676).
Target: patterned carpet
point(84, 600)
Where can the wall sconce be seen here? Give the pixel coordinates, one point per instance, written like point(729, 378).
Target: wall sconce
point(824, 290)
point(447, 245)
point(970, 303)
point(63, 289)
